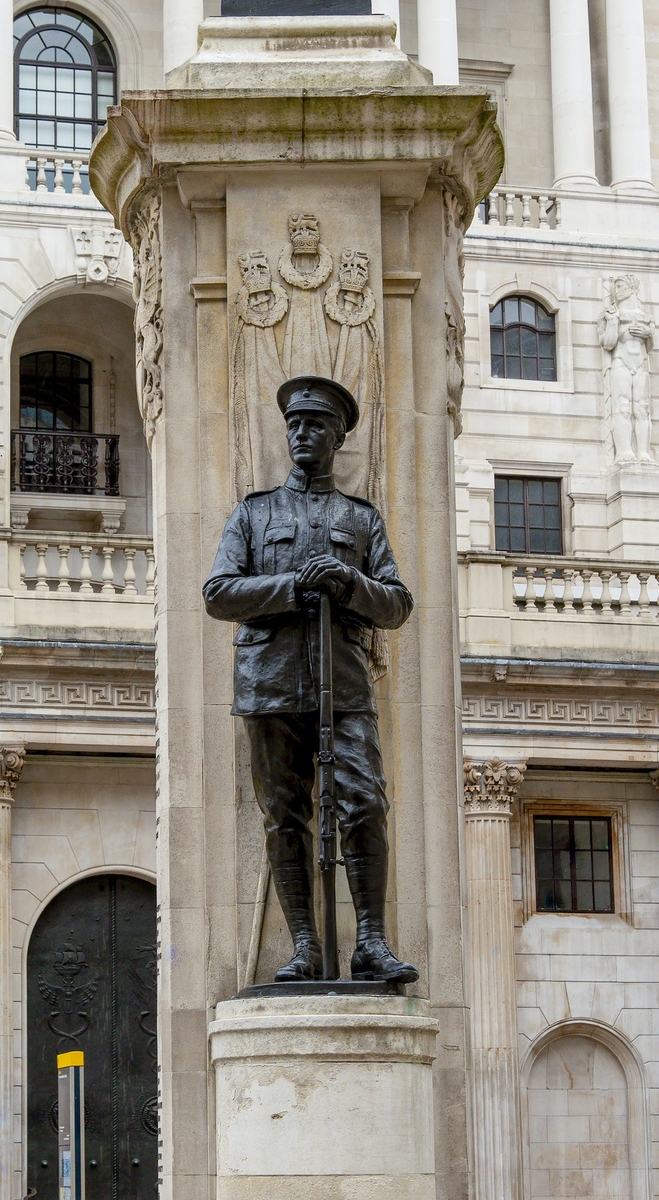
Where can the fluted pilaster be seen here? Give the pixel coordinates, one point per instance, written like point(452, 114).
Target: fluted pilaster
point(489, 790)
point(11, 765)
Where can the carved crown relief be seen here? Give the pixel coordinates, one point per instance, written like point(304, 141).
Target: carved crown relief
point(147, 292)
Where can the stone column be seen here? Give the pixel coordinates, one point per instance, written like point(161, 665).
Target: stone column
point(180, 21)
point(572, 96)
point(489, 791)
point(437, 25)
point(11, 764)
point(631, 165)
point(6, 71)
point(391, 8)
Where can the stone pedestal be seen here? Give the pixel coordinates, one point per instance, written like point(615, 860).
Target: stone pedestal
point(324, 1098)
point(280, 133)
point(633, 512)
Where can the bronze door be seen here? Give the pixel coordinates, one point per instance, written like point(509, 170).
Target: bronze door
point(91, 986)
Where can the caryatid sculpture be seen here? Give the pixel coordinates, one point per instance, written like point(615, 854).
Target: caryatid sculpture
point(626, 333)
point(279, 549)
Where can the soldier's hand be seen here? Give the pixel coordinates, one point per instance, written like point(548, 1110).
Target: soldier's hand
point(324, 571)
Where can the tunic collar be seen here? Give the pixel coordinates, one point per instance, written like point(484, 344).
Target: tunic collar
point(299, 482)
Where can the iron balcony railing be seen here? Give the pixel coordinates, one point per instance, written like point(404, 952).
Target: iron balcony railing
point(62, 463)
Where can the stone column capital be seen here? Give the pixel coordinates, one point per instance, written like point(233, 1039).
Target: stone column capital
point(12, 760)
point(491, 787)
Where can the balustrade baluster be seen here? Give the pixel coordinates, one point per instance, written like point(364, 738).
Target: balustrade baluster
point(543, 216)
point(63, 574)
point(587, 597)
point(42, 570)
point(644, 598)
point(493, 209)
point(568, 592)
point(625, 598)
point(59, 177)
point(559, 212)
point(86, 588)
point(551, 600)
point(42, 186)
point(150, 571)
point(510, 208)
point(129, 572)
point(529, 592)
point(108, 572)
point(76, 182)
point(526, 208)
point(607, 598)
point(22, 583)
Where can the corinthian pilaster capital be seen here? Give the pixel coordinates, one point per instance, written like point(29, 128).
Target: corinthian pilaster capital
point(491, 787)
point(12, 759)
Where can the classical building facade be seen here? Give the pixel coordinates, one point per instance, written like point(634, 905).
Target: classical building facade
point(551, 1073)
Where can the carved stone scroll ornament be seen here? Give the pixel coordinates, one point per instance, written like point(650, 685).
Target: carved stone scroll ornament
point(626, 333)
point(12, 760)
point(256, 374)
point(491, 787)
point(454, 268)
point(147, 290)
point(305, 264)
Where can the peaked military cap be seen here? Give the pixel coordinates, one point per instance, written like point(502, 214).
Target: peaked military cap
point(311, 393)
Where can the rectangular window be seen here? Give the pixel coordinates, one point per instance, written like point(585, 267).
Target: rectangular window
point(573, 868)
point(527, 515)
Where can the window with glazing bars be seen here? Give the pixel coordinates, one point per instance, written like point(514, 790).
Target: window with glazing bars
point(527, 515)
point(522, 340)
point(573, 868)
point(55, 391)
point(65, 78)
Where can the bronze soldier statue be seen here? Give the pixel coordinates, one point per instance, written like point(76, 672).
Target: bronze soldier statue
point(279, 549)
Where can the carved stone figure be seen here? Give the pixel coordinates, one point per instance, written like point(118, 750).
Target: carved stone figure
point(358, 366)
point(278, 549)
point(305, 264)
point(454, 309)
point(256, 374)
point(626, 334)
point(147, 290)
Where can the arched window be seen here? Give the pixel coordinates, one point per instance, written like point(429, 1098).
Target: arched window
point(56, 391)
point(65, 78)
point(522, 340)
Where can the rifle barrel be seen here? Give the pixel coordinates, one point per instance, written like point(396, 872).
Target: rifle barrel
point(327, 797)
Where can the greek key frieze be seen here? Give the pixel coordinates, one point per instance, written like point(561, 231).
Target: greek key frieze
point(65, 694)
point(560, 711)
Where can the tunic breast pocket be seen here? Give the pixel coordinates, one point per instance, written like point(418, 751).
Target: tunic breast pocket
point(278, 544)
point(344, 545)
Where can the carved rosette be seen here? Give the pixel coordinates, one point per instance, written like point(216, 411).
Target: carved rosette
point(12, 759)
point(491, 787)
point(147, 291)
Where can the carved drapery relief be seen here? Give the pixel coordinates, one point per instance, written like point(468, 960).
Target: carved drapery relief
point(454, 266)
point(147, 290)
point(626, 333)
point(491, 787)
point(261, 458)
point(12, 761)
point(305, 264)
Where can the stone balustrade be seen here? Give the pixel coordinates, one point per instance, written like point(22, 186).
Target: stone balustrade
point(83, 566)
point(58, 171)
point(600, 588)
point(520, 208)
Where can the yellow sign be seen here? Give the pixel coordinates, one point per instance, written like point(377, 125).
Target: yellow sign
point(75, 1058)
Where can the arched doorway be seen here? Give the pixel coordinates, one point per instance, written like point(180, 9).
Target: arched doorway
point(91, 986)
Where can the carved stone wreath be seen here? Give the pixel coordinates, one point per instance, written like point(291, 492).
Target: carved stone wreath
point(262, 320)
point(358, 317)
point(314, 278)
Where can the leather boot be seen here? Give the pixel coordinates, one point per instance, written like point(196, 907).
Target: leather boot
point(372, 959)
point(295, 894)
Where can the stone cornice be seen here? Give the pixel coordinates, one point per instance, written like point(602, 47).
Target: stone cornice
point(451, 131)
point(490, 787)
point(12, 760)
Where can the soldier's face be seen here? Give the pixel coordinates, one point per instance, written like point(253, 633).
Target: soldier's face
point(312, 441)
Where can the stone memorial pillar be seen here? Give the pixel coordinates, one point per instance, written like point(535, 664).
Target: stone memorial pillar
point(296, 199)
point(11, 765)
point(490, 789)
